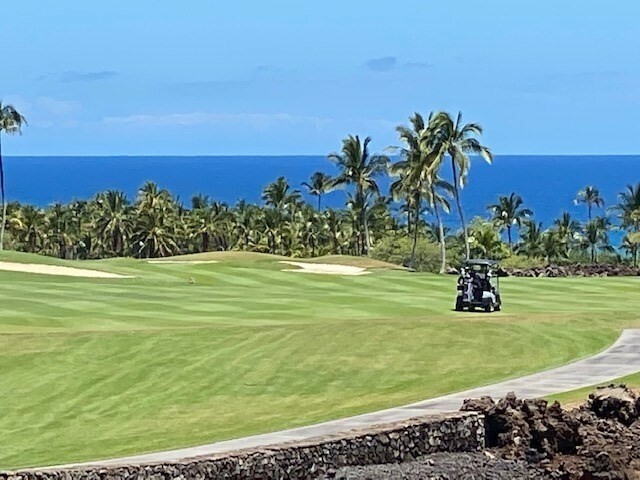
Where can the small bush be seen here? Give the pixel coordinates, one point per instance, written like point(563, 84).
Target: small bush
point(396, 248)
point(521, 261)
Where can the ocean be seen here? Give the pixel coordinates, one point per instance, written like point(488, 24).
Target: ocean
point(548, 184)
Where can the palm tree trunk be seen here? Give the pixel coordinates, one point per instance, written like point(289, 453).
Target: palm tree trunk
point(367, 239)
point(589, 209)
point(509, 236)
point(412, 262)
point(443, 248)
point(319, 202)
point(456, 194)
point(4, 202)
point(408, 201)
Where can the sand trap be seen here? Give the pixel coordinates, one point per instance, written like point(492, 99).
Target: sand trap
point(57, 270)
point(325, 268)
point(192, 262)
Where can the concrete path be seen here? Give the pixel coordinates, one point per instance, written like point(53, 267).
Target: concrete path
point(623, 358)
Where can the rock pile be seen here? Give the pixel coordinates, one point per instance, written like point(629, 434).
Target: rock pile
point(532, 439)
point(600, 439)
point(577, 270)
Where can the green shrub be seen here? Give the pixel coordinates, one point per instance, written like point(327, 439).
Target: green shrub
point(396, 248)
point(521, 261)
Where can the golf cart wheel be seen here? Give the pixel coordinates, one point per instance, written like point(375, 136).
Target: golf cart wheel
point(497, 308)
point(459, 305)
point(489, 307)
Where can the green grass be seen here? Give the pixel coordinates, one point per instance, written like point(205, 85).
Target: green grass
point(580, 395)
point(97, 368)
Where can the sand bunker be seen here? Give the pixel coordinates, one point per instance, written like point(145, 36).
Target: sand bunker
point(325, 268)
point(57, 270)
point(192, 262)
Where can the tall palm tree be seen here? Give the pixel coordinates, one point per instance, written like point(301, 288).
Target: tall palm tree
point(358, 168)
point(319, 184)
point(418, 181)
point(590, 197)
point(447, 136)
point(11, 122)
point(412, 170)
point(509, 212)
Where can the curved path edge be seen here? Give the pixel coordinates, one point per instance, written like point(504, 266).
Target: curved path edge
point(619, 360)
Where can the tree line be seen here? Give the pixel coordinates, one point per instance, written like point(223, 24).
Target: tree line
point(157, 224)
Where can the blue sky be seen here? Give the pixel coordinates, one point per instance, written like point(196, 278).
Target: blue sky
point(150, 77)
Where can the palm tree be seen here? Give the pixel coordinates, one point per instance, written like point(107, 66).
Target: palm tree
point(508, 212)
point(595, 236)
point(61, 230)
point(628, 208)
point(319, 184)
point(28, 225)
point(590, 197)
point(279, 196)
point(412, 171)
point(210, 223)
point(485, 240)
point(11, 122)
point(531, 239)
point(113, 221)
point(360, 169)
point(552, 245)
point(448, 137)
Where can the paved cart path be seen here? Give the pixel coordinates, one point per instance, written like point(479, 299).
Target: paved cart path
point(622, 358)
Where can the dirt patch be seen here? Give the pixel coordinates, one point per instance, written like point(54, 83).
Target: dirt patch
point(42, 269)
point(325, 268)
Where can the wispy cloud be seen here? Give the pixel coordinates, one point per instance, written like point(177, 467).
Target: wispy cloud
point(386, 64)
point(73, 76)
point(418, 65)
point(381, 64)
point(254, 120)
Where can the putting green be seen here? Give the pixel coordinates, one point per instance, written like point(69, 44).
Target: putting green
point(184, 354)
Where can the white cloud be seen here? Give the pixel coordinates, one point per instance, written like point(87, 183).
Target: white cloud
point(255, 120)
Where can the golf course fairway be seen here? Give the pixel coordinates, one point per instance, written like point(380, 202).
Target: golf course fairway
point(180, 354)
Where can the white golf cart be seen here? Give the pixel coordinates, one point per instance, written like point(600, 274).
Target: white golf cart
point(475, 289)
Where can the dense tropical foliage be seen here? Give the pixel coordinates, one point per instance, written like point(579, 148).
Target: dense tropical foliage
point(409, 224)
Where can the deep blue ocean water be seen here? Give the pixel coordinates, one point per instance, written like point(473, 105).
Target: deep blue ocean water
point(548, 184)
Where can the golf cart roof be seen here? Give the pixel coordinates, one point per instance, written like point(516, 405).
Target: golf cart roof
point(481, 261)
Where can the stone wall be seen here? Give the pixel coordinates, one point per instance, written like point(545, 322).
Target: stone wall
point(397, 442)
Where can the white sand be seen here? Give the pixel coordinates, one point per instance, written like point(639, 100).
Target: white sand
point(57, 270)
point(325, 268)
point(192, 262)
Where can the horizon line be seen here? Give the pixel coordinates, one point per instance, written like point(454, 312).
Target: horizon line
point(291, 155)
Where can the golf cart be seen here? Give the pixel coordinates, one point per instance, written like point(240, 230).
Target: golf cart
point(475, 289)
